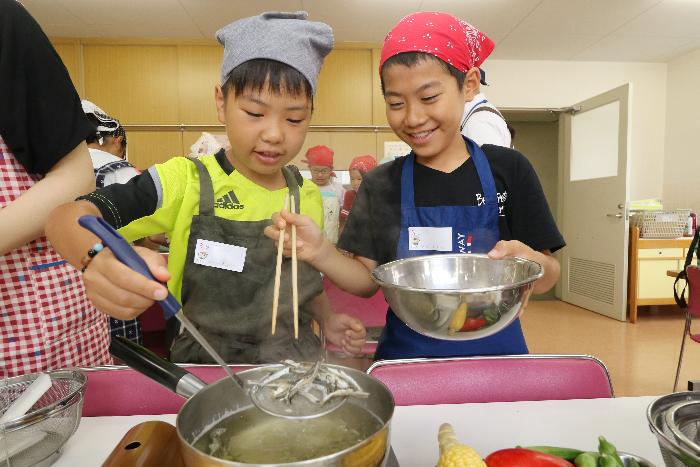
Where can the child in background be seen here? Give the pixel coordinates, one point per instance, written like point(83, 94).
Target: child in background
point(214, 210)
point(482, 122)
point(447, 184)
point(208, 144)
point(107, 146)
point(359, 166)
point(320, 162)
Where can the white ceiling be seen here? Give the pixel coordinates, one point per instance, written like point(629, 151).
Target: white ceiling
point(599, 30)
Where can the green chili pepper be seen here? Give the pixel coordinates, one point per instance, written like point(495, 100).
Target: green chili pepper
point(565, 453)
point(606, 447)
point(606, 460)
point(586, 459)
point(490, 315)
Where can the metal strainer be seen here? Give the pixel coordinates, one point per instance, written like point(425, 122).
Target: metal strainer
point(304, 405)
point(37, 437)
point(675, 420)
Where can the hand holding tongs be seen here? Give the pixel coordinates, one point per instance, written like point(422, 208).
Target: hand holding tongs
point(124, 252)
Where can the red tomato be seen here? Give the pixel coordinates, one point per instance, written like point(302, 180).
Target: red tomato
point(472, 324)
point(519, 457)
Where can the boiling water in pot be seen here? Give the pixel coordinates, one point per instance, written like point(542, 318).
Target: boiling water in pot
point(254, 437)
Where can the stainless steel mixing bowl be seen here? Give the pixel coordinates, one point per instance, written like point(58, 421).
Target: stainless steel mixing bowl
point(36, 438)
point(627, 459)
point(457, 296)
point(674, 420)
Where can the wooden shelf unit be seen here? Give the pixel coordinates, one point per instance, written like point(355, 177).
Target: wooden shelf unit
point(649, 261)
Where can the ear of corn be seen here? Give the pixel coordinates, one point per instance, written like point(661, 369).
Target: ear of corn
point(453, 453)
point(458, 319)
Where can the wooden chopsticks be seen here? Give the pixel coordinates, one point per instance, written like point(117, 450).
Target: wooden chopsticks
point(291, 206)
point(295, 288)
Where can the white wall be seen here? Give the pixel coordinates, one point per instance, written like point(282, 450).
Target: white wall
point(520, 83)
point(681, 182)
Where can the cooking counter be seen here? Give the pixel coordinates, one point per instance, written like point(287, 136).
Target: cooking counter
point(486, 427)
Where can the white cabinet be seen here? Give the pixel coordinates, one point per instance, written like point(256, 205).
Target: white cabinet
point(649, 261)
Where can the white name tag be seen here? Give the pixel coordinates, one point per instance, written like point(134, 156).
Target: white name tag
point(219, 255)
point(430, 238)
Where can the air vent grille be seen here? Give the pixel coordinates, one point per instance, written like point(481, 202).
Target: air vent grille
point(592, 279)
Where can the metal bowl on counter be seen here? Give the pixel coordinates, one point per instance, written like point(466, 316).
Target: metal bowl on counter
point(457, 296)
point(36, 438)
point(627, 459)
point(674, 420)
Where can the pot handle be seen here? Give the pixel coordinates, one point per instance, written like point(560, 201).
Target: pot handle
point(163, 372)
point(148, 444)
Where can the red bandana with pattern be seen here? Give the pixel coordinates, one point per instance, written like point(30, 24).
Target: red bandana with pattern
point(363, 163)
point(440, 34)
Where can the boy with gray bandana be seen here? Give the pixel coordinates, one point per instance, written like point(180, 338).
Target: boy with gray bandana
point(215, 209)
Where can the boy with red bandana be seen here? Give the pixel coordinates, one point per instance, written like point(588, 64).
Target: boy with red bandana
point(320, 162)
point(446, 183)
point(359, 167)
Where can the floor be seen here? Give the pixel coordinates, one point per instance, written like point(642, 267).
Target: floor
point(640, 357)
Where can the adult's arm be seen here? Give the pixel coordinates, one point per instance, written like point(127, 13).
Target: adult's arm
point(23, 220)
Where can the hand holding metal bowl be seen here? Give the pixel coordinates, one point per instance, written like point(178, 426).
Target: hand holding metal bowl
point(457, 296)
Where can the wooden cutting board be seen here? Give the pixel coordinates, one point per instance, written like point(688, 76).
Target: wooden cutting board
point(148, 444)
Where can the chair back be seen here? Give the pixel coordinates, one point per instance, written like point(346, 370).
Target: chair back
point(693, 273)
point(504, 378)
point(120, 390)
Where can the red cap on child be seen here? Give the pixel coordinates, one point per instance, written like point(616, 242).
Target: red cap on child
point(319, 155)
point(363, 163)
point(440, 34)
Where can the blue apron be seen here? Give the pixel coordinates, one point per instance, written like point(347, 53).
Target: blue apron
point(474, 230)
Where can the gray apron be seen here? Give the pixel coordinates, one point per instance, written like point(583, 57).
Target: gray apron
point(233, 310)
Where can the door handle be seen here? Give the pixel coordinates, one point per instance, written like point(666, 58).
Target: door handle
point(618, 215)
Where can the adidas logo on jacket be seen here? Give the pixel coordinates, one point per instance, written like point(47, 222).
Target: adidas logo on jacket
point(228, 201)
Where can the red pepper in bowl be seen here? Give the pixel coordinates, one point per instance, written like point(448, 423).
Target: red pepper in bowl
point(472, 324)
point(520, 457)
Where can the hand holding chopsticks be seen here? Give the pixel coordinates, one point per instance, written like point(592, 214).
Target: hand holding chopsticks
point(291, 206)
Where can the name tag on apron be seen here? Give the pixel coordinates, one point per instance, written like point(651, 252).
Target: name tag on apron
point(219, 255)
point(430, 238)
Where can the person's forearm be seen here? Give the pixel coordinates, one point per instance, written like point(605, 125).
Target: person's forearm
point(551, 273)
point(24, 219)
point(67, 236)
point(347, 273)
point(320, 307)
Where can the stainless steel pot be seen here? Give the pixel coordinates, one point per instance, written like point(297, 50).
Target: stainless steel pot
point(208, 405)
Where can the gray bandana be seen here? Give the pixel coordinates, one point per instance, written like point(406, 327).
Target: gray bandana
point(285, 37)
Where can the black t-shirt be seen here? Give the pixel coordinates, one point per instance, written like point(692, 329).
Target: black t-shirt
point(373, 227)
point(41, 119)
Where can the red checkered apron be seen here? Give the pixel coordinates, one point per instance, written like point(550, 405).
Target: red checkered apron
point(46, 320)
